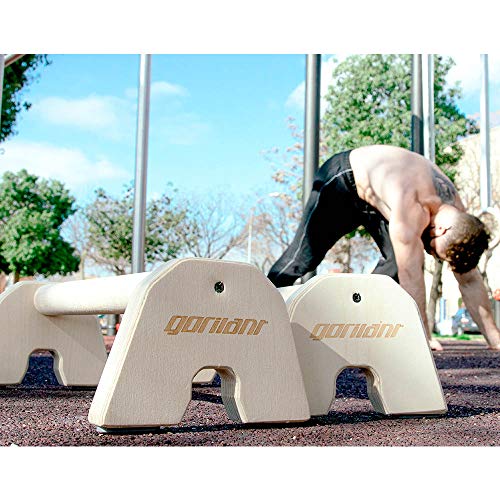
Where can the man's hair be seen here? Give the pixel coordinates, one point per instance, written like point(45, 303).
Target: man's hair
point(467, 240)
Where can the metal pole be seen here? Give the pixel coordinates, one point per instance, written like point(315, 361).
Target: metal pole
point(428, 108)
point(417, 139)
point(141, 165)
point(2, 68)
point(485, 171)
point(311, 130)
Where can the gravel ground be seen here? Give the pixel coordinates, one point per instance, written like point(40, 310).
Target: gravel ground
point(42, 413)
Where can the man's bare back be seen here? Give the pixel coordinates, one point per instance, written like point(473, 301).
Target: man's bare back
point(386, 174)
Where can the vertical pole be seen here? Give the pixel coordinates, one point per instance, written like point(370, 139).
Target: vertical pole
point(111, 324)
point(417, 139)
point(2, 68)
point(141, 164)
point(485, 171)
point(311, 130)
point(428, 107)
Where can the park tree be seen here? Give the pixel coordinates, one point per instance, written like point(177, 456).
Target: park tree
point(32, 211)
point(109, 226)
point(17, 78)
point(216, 224)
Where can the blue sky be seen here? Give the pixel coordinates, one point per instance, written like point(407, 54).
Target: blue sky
point(211, 118)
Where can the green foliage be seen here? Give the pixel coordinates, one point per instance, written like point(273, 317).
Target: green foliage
point(32, 211)
point(16, 78)
point(110, 229)
point(370, 103)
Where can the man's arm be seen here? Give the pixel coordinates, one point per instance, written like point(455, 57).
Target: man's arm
point(476, 300)
point(405, 229)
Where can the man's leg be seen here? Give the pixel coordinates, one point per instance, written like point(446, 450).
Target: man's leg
point(319, 229)
point(378, 228)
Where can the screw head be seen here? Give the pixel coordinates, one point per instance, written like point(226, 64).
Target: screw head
point(356, 297)
point(219, 287)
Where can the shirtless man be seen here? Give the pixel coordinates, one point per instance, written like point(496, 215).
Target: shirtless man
point(407, 205)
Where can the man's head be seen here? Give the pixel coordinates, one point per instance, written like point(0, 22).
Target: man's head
point(456, 237)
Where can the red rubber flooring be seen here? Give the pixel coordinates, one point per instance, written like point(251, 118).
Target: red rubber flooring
point(42, 413)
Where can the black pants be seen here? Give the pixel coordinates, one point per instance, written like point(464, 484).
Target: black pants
point(333, 210)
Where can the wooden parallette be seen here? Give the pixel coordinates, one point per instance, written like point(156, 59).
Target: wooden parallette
point(370, 322)
point(193, 314)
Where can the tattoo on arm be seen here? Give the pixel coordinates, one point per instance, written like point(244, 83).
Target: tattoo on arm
point(444, 187)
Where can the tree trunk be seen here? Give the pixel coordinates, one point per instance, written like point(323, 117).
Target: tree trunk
point(16, 277)
point(82, 266)
point(3, 282)
point(435, 294)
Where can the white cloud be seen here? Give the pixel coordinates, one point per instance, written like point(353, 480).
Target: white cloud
point(106, 115)
point(70, 166)
point(160, 88)
point(168, 89)
point(296, 98)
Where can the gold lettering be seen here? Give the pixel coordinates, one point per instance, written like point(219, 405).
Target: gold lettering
point(360, 331)
point(259, 326)
point(383, 327)
point(215, 325)
point(371, 331)
point(251, 330)
point(316, 334)
point(174, 330)
point(354, 330)
point(203, 325)
point(199, 324)
point(338, 327)
point(345, 329)
point(192, 324)
point(222, 325)
point(234, 325)
point(396, 328)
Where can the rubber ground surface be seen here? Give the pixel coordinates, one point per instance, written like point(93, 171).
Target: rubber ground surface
point(42, 413)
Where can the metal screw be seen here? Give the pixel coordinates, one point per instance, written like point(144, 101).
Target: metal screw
point(219, 287)
point(356, 297)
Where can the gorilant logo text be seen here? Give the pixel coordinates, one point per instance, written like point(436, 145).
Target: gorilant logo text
point(354, 330)
point(201, 324)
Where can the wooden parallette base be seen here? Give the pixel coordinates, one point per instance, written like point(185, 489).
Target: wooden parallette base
point(370, 322)
point(75, 341)
point(194, 314)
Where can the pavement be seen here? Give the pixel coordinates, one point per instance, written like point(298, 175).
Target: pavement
point(42, 413)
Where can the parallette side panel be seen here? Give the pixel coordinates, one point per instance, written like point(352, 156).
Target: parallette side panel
point(198, 313)
point(365, 321)
point(77, 340)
